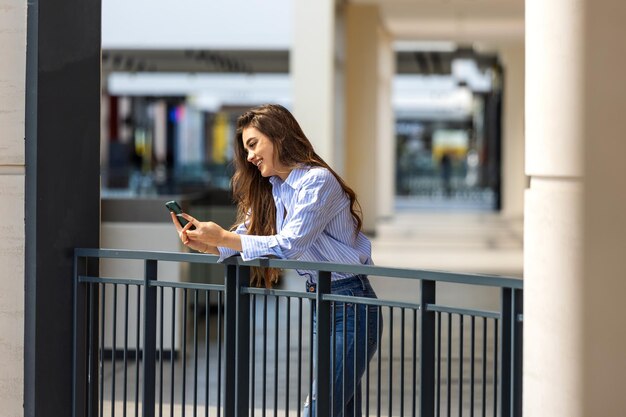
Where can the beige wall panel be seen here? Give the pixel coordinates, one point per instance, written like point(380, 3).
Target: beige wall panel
point(312, 71)
point(362, 94)
point(552, 299)
point(11, 294)
point(12, 81)
point(514, 178)
point(385, 137)
point(554, 107)
point(604, 285)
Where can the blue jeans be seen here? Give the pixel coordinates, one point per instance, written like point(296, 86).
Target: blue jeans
point(346, 392)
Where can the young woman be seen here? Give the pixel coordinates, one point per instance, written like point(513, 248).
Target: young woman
point(292, 205)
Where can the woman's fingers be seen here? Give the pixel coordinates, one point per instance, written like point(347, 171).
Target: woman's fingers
point(176, 222)
point(190, 219)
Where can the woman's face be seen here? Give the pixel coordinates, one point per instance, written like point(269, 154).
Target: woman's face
point(260, 153)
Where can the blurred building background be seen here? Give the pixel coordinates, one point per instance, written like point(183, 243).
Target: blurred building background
point(456, 122)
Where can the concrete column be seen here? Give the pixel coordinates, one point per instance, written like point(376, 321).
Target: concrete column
point(369, 117)
point(553, 292)
point(513, 176)
point(12, 169)
point(604, 286)
point(312, 62)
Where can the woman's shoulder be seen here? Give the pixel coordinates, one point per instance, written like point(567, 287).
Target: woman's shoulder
point(314, 175)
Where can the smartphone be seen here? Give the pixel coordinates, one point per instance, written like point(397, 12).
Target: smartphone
point(174, 207)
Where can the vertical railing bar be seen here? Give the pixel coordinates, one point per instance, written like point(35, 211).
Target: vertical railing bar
point(484, 399)
point(253, 355)
point(517, 352)
point(114, 348)
point(77, 393)
point(427, 348)
point(438, 401)
point(333, 355)
point(264, 363)
point(506, 350)
point(149, 336)
point(220, 303)
point(287, 355)
point(472, 366)
point(137, 350)
point(124, 395)
point(90, 348)
point(390, 373)
point(402, 341)
point(495, 370)
point(102, 344)
point(379, 360)
point(184, 353)
point(242, 343)
point(356, 355)
point(173, 347)
point(414, 385)
point(311, 352)
point(324, 319)
point(276, 347)
point(195, 353)
point(461, 319)
point(231, 293)
point(94, 322)
point(449, 369)
point(161, 330)
point(344, 405)
point(207, 344)
point(299, 354)
point(367, 362)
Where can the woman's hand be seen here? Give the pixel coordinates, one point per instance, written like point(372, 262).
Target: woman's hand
point(209, 233)
point(191, 242)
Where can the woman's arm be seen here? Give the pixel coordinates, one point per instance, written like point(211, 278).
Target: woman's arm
point(210, 234)
point(318, 200)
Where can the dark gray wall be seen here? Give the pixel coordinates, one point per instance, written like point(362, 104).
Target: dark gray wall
point(62, 187)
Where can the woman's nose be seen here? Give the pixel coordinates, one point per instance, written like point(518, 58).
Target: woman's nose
point(250, 156)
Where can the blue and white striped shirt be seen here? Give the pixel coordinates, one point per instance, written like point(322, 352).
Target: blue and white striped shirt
point(313, 223)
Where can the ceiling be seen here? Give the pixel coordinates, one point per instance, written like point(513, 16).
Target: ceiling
point(269, 62)
point(465, 21)
point(476, 23)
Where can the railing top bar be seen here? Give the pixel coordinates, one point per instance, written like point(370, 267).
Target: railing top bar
point(463, 311)
point(145, 255)
point(440, 276)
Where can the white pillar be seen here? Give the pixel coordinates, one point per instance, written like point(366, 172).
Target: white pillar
point(553, 219)
point(513, 176)
point(369, 117)
point(312, 62)
point(604, 286)
point(12, 168)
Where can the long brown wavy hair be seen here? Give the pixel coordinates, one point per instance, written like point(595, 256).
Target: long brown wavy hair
point(253, 193)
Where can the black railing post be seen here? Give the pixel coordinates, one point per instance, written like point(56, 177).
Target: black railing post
point(427, 349)
point(243, 343)
point(323, 371)
point(518, 331)
point(79, 386)
point(149, 338)
point(506, 349)
point(230, 340)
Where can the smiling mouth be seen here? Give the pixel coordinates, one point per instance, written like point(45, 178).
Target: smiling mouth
point(258, 164)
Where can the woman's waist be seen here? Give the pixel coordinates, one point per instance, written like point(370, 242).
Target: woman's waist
point(357, 285)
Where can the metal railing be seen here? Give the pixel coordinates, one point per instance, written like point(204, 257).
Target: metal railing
point(152, 347)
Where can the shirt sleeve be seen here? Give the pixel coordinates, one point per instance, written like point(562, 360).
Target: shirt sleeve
point(242, 229)
point(318, 200)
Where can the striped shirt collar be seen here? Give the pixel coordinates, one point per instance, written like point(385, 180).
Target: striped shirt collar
point(294, 179)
